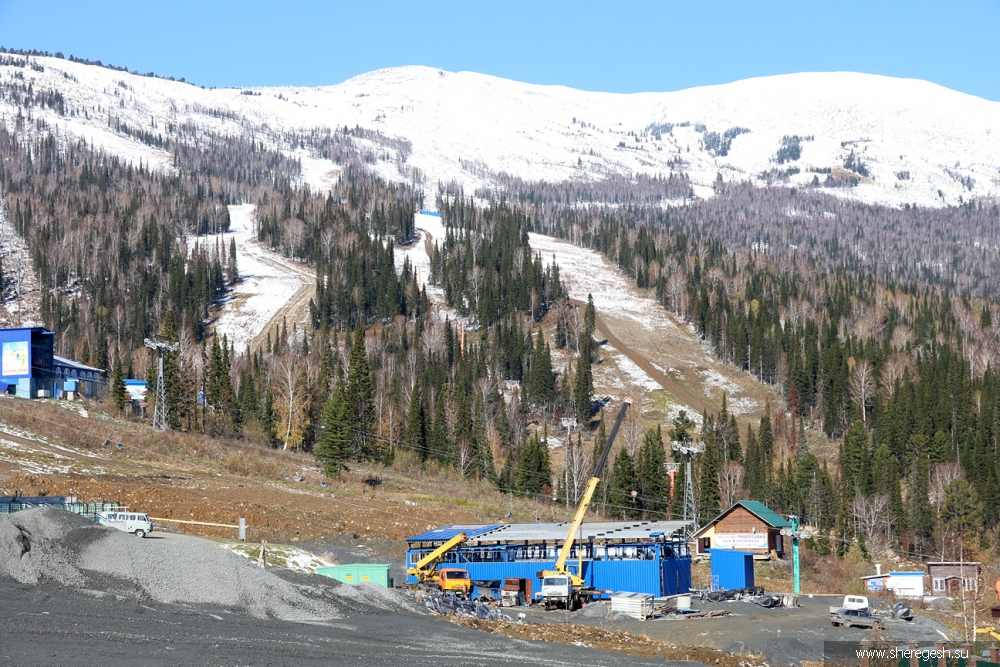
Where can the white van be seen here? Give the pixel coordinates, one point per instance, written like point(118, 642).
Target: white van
point(136, 523)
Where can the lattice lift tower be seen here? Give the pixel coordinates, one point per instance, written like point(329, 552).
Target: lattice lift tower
point(161, 413)
point(690, 504)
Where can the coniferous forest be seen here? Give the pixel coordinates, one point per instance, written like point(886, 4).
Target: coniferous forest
point(877, 328)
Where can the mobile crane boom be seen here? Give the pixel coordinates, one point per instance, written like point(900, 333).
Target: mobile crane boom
point(581, 511)
point(426, 568)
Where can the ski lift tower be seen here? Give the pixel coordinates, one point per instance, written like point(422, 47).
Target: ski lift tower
point(690, 506)
point(161, 413)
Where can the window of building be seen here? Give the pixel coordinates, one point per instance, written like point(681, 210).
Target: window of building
point(939, 584)
point(970, 584)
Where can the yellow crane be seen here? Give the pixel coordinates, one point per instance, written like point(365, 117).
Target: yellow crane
point(560, 586)
point(426, 569)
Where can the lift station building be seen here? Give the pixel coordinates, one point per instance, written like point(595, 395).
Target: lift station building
point(615, 556)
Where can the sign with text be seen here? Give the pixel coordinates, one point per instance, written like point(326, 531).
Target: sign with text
point(741, 540)
point(14, 358)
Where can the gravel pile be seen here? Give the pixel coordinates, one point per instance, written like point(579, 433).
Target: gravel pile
point(46, 544)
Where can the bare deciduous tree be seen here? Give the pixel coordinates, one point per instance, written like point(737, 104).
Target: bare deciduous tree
point(862, 385)
point(731, 477)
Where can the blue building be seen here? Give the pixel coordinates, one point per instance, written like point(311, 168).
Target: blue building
point(83, 380)
point(26, 361)
point(611, 556)
point(30, 369)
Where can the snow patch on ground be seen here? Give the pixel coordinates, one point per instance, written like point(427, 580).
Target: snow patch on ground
point(267, 282)
point(585, 271)
point(430, 225)
point(634, 375)
point(716, 380)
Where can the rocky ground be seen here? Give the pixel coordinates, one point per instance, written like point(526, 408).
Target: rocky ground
point(76, 593)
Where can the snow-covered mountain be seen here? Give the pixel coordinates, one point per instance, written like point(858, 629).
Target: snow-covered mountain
point(918, 142)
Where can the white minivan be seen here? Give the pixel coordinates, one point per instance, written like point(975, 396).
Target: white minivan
point(136, 523)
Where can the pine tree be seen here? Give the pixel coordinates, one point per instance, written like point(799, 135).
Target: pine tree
point(590, 317)
point(415, 438)
point(360, 396)
point(534, 473)
point(623, 483)
point(651, 474)
point(333, 447)
point(542, 387)
point(854, 460)
point(708, 496)
point(440, 446)
point(234, 273)
point(735, 450)
point(119, 393)
point(921, 514)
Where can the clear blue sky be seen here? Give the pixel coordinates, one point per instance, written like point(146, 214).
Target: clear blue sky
point(608, 46)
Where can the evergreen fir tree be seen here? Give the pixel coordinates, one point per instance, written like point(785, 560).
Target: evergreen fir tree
point(708, 495)
point(481, 443)
point(651, 474)
point(440, 445)
point(415, 439)
point(119, 394)
point(360, 396)
point(921, 514)
point(333, 447)
point(534, 473)
point(622, 484)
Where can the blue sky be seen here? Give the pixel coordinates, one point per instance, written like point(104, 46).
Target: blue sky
point(608, 46)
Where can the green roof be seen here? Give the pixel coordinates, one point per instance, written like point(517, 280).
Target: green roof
point(762, 511)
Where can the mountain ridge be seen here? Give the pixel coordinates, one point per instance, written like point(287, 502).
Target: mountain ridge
point(913, 141)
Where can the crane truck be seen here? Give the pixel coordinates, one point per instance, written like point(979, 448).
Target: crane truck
point(561, 587)
point(449, 579)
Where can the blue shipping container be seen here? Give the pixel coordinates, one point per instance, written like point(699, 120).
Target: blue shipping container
point(731, 569)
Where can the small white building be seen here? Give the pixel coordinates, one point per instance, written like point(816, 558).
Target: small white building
point(900, 584)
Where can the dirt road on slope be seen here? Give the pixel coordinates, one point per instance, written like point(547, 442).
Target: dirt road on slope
point(679, 390)
point(296, 310)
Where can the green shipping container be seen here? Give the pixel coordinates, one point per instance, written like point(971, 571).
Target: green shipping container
point(358, 573)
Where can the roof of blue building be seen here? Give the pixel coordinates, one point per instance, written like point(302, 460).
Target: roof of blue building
point(554, 532)
point(445, 533)
point(75, 365)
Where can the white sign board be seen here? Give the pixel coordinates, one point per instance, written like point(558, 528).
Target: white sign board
point(14, 358)
point(740, 541)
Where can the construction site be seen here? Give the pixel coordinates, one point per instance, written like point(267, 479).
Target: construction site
point(181, 550)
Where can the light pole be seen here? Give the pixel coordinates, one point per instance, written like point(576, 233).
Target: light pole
point(795, 534)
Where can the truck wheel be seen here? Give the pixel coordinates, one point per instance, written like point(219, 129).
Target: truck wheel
point(140, 533)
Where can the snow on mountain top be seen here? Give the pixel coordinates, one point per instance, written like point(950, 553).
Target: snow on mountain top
point(919, 142)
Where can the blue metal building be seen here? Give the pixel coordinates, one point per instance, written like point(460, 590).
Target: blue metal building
point(26, 363)
point(731, 569)
point(30, 369)
point(637, 557)
point(69, 375)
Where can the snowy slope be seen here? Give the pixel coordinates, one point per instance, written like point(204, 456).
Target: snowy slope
point(466, 126)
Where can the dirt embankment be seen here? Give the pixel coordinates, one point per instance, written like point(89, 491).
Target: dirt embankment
point(614, 641)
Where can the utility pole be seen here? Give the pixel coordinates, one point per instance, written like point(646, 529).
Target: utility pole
point(161, 413)
point(690, 504)
point(795, 534)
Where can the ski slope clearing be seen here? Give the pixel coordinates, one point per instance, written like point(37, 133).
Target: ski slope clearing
point(430, 230)
point(652, 353)
point(919, 142)
point(271, 286)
